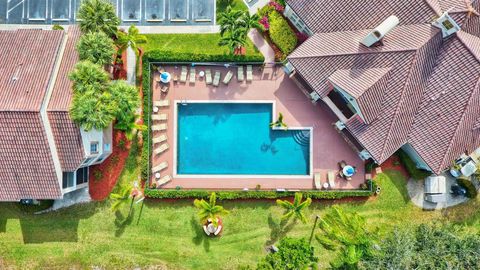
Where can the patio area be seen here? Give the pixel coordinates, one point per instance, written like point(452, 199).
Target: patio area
point(269, 83)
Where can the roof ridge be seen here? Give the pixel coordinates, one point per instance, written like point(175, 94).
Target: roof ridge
point(477, 86)
point(468, 40)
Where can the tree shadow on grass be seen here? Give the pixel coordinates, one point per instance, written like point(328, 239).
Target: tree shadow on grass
point(278, 229)
point(122, 221)
point(200, 236)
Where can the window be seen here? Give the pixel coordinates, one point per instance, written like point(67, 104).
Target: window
point(448, 25)
point(82, 175)
point(68, 180)
point(88, 160)
point(94, 148)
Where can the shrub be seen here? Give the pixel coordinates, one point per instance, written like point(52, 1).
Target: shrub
point(411, 167)
point(97, 175)
point(278, 7)
point(171, 56)
point(292, 254)
point(468, 186)
point(57, 27)
point(96, 47)
point(281, 2)
point(281, 33)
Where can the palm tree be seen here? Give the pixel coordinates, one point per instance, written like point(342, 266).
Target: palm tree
point(126, 98)
point(229, 20)
point(210, 209)
point(130, 126)
point(88, 76)
point(98, 16)
point(97, 48)
point(279, 122)
point(93, 110)
point(121, 197)
point(249, 21)
point(234, 40)
point(132, 38)
point(296, 208)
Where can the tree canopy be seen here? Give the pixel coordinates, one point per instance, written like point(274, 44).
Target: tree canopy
point(98, 16)
point(88, 76)
point(96, 47)
point(292, 254)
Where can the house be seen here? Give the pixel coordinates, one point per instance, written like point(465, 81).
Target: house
point(397, 74)
point(43, 154)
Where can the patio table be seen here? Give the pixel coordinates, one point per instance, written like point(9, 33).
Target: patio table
point(469, 168)
point(348, 171)
point(165, 77)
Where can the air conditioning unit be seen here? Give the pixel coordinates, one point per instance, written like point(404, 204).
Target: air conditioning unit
point(380, 31)
point(314, 96)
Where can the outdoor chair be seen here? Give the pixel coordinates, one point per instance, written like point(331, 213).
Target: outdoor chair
point(208, 76)
point(219, 229)
point(160, 167)
point(175, 78)
point(228, 77)
point(193, 75)
point(162, 103)
point(162, 181)
point(162, 148)
point(161, 70)
point(159, 127)
point(164, 89)
point(183, 75)
point(159, 139)
point(317, 179)
point(160, 117)
point(240, 76)
point(342, 164)
point(216, 78)
point(249, 73)
point(331, 178)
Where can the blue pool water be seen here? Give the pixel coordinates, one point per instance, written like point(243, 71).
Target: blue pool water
point(235, 139)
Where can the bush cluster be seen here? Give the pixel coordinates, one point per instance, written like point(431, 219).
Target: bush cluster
point(172, 56)
point(411, 167)
point(281, 33)
point(468, 186)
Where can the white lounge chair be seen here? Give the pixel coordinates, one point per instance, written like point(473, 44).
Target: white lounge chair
point(160, 167)
point(240, 76)
point(159, 139)
point(216, 78)
point(228, 77)
point(162, 103)
point(208, 76)
point(249, 73)
point(193, 75)
point(162, 148)
point(331, 179)
point(219, 229)
point(317, 180)
point(183, 75)
point(159, 127)
point(162, 181)
point(160, 117)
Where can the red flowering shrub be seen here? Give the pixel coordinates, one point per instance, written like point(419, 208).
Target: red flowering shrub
point(264, 22)
point(277, 6)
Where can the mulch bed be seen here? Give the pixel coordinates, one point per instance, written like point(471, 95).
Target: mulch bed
point(104, 176)
point(393, 163)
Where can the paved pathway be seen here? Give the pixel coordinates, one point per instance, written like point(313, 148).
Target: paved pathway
point(415, 191)
point(131, 70)
point(262, 46)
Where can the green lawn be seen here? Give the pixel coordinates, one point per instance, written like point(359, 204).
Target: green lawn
point(168, 233)
point(192, 43)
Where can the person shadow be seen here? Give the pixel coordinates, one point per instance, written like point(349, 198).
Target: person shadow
point(279, 229)
point(122, 221)
point(200, 236)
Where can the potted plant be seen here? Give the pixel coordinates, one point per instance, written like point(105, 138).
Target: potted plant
point(209, 213)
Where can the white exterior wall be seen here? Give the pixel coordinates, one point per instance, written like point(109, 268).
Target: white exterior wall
point(415, 157)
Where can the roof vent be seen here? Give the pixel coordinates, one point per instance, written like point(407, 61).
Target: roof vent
point(380, 31)
point(17, 71)
point(447, 24)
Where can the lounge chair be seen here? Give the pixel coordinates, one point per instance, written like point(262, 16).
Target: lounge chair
point(160, 117)
point(183, 75)
point(162, 181)
point(331, 179)
point(208, 76)
point(317, 180)
point(228, 77)
point(162, 148)
point(162, 103)
point(193, 75)
point(159, 139)
point(159, 127)
point(219, 229)
point(164, 89)
point(160, 167)
point(216, 78)
point(240, 76)
point(249, 73)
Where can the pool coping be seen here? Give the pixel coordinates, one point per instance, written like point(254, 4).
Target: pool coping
point(238, 176)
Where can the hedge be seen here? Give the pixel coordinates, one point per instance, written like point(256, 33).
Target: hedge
point(411, 167)
point(169, 56)
point(147, 106)
point(281, 33)
point(468, 186)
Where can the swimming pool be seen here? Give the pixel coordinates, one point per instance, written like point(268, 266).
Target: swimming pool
point(235, 139)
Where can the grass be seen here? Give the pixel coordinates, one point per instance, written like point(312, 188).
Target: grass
point(191, 43)
point(168, 234)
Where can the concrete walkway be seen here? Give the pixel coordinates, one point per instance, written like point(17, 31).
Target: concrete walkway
point(415, 191)
point(262, 46)
point(131, 66)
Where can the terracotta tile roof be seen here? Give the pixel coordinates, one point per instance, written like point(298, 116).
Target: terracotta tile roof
point(27, 61)
point(26, 165)
point(431, 94)
point(68, 140)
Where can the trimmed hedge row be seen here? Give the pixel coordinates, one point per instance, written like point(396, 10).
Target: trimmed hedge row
point(411, 167)
point(169, 56)
point(147, 106)
point(281, 33)
point(240, 194)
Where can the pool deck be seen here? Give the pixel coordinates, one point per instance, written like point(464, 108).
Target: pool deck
point(329, 147)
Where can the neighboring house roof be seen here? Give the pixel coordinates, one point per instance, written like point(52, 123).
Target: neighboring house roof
point(28, 162)
point(430, 98)
point(66, 133)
